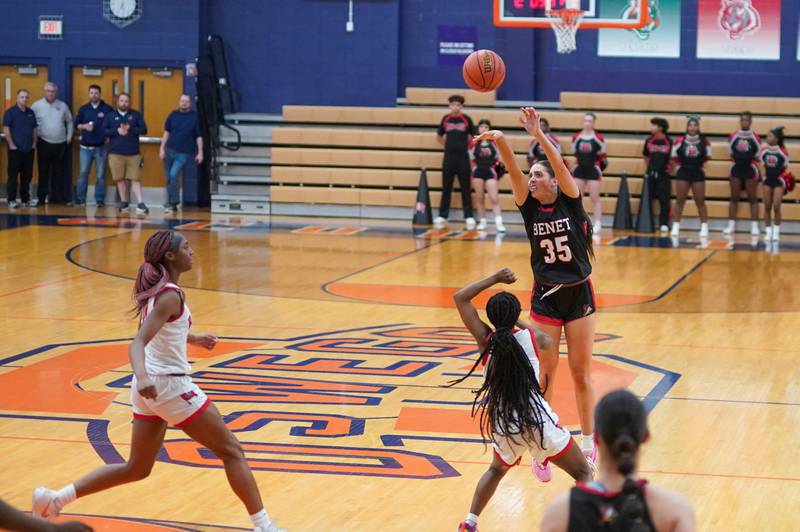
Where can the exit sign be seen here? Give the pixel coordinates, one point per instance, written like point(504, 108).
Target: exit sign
point(51, 27)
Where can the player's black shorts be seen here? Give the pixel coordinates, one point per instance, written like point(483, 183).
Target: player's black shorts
point(568, 303)
point(745, 171)
point(693, 175)
point(588, 173)
point(484, 172)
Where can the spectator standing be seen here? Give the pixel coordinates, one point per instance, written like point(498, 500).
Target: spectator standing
point(93, 145)
point(123, 127)
point(455, 132)
point(19, 127)
point(657, 153)
point(181, 142)
point(54, 121)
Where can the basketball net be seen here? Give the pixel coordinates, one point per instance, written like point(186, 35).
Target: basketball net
point(565, 24)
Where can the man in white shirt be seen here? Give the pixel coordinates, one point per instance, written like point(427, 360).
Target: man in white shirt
point(54, 121)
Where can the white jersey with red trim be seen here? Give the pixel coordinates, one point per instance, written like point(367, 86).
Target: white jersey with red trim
point(526, 339)
point(165, 354)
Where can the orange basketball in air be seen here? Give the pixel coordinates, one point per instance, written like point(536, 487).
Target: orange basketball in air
point(484, 71)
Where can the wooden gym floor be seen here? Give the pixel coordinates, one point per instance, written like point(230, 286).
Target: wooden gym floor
point(337, 337)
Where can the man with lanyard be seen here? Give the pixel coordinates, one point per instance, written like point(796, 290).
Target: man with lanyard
point(93, 140)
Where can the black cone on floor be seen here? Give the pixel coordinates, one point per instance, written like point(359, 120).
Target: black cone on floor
point(623, 217)
point(422, 208)
point(644, 221)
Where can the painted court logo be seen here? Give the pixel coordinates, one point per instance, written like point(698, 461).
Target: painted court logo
point(365, 402)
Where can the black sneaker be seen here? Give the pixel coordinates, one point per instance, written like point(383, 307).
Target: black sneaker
point(142, 209)
point(101, 204)
point(123, 206)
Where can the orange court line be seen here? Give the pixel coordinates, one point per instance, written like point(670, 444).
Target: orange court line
point(46, 283)
point(434, 296)
point(50, 385)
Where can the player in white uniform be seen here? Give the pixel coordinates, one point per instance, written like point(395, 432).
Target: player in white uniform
point(514, 414)
point(162, 393)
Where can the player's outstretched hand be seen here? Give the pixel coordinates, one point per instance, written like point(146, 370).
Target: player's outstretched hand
point(530, 120)
point(505, 276)
point(492, 135)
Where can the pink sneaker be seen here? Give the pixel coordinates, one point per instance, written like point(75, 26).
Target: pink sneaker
point(543, 473)
point(466, 527)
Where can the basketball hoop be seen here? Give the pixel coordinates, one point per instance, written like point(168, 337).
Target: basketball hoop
point(565, 23)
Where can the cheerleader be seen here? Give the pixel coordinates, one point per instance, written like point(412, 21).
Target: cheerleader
point(744, 146)
point(690, 153)
point(589, 149)
point(485, 161)
point(776, 164)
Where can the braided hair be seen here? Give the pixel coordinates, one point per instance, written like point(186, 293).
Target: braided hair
point(621, 422)
point(510, 399)
point(153, 274)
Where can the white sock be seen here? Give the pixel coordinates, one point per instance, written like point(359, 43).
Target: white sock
point(472, 520)
point(65, 495)
point(587, 442)
point(260, 519)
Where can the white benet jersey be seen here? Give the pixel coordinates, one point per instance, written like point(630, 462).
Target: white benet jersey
point(165, 354)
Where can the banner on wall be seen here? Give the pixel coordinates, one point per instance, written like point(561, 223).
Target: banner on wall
point(660, 38)
point(739, 29)
point(456, 43)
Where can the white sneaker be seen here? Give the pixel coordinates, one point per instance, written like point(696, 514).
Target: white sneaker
point(776, 233)
point(482, 224)
point(13, 204)
point(704, 230)
point(768, 233)
point(597, 227)
point(676, 229)
point(664, 229)
point(270, 528)
point(731, 227)
point(470, 223)
point(44, 503)
point(439, 221)
point(498, 223)
point(754, 229)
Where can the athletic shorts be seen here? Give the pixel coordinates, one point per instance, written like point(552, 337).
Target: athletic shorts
point(745, 171)
point(124, 166)
point(557, 441)
point(485, 173)
point(588, 173)
point(566, 304)
point(693, 175)
point(775, 182)
point(178, 401)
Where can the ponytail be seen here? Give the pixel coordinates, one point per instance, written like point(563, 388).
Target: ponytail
point(153, 274)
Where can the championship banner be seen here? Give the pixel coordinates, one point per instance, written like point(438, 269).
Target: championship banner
point(739, 29)
point(660, 38)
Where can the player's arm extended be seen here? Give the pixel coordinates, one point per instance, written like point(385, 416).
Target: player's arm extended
point(469, 314)
point(530, 121)
point(519, 184)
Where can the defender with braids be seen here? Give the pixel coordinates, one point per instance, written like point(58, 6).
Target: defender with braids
point(617, 501)
point(560, 235)
point(162, 392)
point(514, 414)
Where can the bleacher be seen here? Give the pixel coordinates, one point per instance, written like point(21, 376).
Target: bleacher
point(366, 161)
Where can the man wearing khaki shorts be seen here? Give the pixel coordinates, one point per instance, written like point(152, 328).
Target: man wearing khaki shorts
point(123, 127)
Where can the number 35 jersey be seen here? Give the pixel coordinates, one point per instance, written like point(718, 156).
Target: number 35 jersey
point(558, 234)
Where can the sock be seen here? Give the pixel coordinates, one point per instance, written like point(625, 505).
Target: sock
point(471, 520)
point(65, 495)
point(587, 442)
point(260, 519)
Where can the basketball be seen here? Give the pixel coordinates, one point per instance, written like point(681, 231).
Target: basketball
point(484, 71)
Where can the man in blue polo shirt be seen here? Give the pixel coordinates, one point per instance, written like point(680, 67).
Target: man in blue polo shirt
point(19, 126)
point(93, 146)
point(181, 141)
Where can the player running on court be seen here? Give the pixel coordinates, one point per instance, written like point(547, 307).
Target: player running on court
point(514, 414)
point(162, 392)
point(560, 235)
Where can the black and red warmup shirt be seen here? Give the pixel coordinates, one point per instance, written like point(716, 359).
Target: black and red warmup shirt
point(457, 130)
point(658, 151)
point(593, 510)
point(744, 147)
point(536, 152)
point(558, 237)
point(589, 149)
point(775, 160)
point(691, 151)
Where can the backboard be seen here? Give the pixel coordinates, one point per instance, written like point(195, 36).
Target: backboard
point(533, 13)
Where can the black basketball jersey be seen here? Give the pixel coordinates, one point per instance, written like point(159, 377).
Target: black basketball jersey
point(744, 147)
point(594, 510)
point(484, 154)
point(558, 237)
point(775, 160)
point(658, 151)
point(457, 131)
point(691, 151)
point(536, 152)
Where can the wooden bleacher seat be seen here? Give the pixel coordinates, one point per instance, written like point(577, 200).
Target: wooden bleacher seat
point(656, 103)
point(436, 96)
